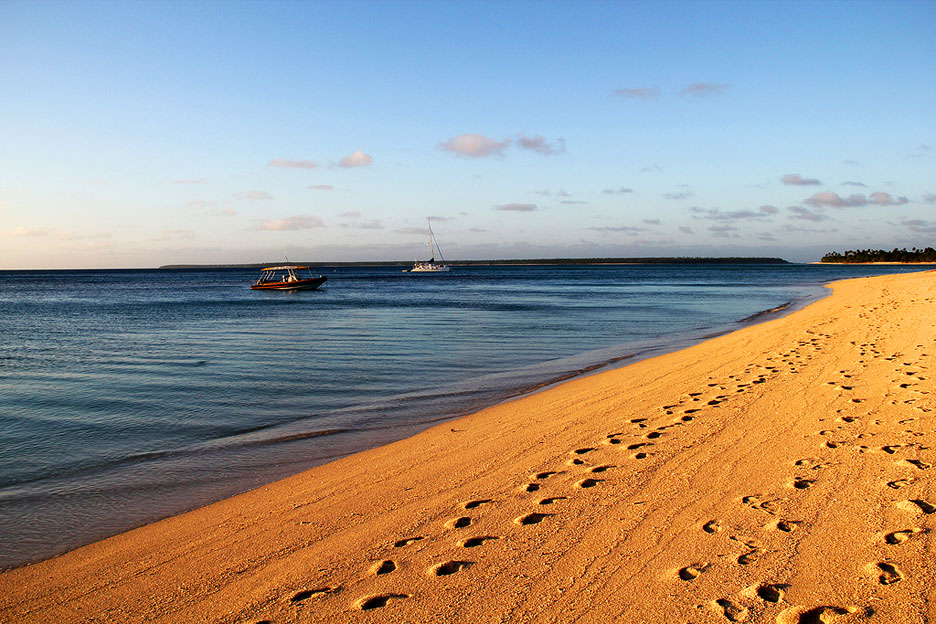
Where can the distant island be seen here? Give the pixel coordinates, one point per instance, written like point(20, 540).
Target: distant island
point(865, 256)
point(541, 261)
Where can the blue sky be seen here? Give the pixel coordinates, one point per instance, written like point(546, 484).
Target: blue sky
point(137, 134)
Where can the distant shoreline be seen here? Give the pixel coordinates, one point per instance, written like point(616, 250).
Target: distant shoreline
point(526, 262)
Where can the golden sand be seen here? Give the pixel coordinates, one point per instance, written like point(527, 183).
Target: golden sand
point(782, 473)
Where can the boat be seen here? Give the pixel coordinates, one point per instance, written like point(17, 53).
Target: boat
point(287, 277)
point(431, 266)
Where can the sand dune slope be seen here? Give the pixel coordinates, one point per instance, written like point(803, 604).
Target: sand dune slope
point(782, 473)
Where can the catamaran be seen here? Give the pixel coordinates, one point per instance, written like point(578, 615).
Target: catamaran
point(287, 277)
point(431, 266)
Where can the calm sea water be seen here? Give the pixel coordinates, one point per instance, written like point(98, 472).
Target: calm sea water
point(126, 396)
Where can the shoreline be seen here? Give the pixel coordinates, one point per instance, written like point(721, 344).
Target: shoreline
point(671, 485)
point(521, 382)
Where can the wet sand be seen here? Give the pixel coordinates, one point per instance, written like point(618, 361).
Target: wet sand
point(781, 473)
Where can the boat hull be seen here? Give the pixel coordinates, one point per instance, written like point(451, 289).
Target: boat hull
point(307, 284)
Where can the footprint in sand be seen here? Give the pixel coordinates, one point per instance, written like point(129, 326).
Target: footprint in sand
point(543, 475)
point(802, 484)
point(582, 451)
point(473, 542)
point(887, 573)
point(406, 542)
point(602, 468)
point(788, 526)
point(916, 463)
point(551, 500)
point(899, 483)
point(712, 526)
point(448, 568)
point(916, 505)
point(732, 612)
point(383, 567)
point(378, 601)
point(531, 518)
point(588, 483)
point(771, 593)
point(690, 572)
point(530, 487)
point(458, 523)
point(312, 593)
point(899, 537)
point(476, 503)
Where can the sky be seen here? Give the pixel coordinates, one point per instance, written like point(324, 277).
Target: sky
point(139, 134)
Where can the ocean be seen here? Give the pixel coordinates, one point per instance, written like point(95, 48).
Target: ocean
point(130, 395)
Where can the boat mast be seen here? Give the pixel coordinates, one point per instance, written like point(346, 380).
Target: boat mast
point(433, 240)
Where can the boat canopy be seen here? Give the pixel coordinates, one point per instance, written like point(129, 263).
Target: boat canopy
point(284, 267)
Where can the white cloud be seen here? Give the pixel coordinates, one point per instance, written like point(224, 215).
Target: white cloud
point(190, 181)
point(357, 159)
point(714, 214)
point(354, 214)
point(227, 212)
point(516, 207)
point(685, 229)
point(287, 163)
point(769, 210)
point(652, 221)
point(320, 187)
point(795, 179)
point(805, 214)
point(621, 190)
point(475, 146)
point(920, 225)
point(638, 93)
point(834, 200)
point(26, 232)
point(702, 89)
point(253, 195)
point(540, 145)
point(297, 222)
point(628, 229)
point(678, 195)
point(722, 231)
point(930, 198)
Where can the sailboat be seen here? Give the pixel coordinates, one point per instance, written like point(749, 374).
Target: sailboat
point(431, 266)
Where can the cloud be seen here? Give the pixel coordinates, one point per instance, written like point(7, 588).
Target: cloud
point(767, 236)
point(190, 181)
point(702, 89)
point(320, 187)
point(298, 222)
point(354, 214)
point(714, 214)
point(622, 190)
point(573, 202)
point(516, 207)
point(639, 93)
point(795, 179)
point(769, 210)
point(652, 221)
point(286, 163)
point(685, 229)
point(227, 212)
point(834, 200)
point(722, 231)
point(920, 225)
point(885, 199)
point(475, 146)
point(253, 195)
point(357, 159)
point(629, 229)
point(679, 195)
point(805, 214)
point(854, 184)
point(651, 169)
point(539, 145)
point(930, 198)
point(474, 229)
point(364, 225)
point(851, 163)
point(921, 152)
point(26, 232)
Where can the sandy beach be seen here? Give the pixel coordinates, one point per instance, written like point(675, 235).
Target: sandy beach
point(781, 473)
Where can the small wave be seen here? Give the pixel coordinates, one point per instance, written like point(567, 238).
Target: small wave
point(759, 315)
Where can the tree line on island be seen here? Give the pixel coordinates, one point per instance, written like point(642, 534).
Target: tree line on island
point(880, 255)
